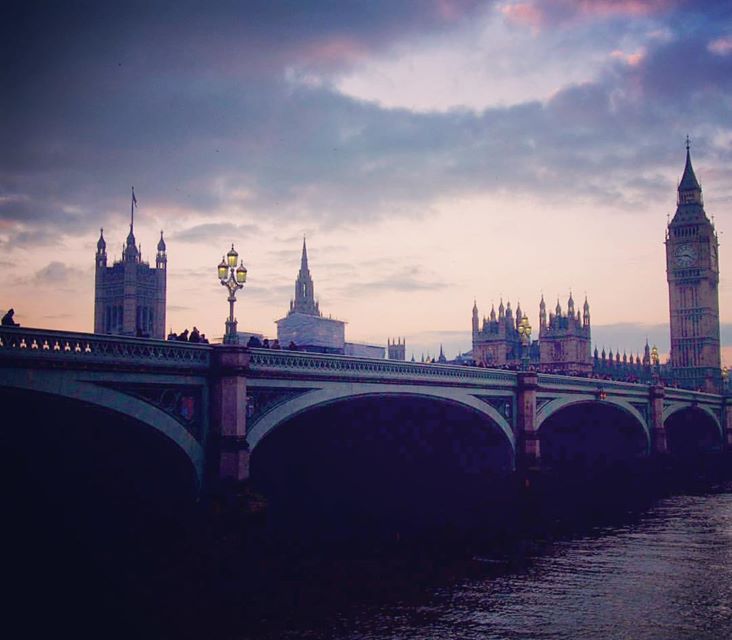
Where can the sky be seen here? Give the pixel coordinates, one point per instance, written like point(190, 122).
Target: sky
point(433, 152)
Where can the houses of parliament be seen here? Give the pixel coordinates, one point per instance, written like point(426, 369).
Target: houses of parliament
point(130, 299)
point(564, 342)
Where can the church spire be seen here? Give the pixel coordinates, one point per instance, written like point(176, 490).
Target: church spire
point(304, 301)
point(304, 259)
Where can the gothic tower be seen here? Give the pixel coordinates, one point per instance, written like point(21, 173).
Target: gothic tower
point(129, 296)
point(692, 271)
point(304, 301)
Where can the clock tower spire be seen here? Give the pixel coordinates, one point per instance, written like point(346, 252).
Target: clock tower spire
point(692, 271)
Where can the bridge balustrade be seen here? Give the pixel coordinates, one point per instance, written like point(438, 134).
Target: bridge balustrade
point(71, 347)
point(267, 361)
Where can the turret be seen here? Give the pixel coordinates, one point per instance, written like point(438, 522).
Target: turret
point(542, 313)
point(161, 259)
point(501, 310)
point(475, 317)
point(101, 258)
point(586, 313)
point(493, 313)
point(519, 315)
point(558, 309)
point(570, 305)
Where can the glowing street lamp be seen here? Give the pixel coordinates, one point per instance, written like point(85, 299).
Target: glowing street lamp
point(524, 331)
point(655, 373)
point(233, 278)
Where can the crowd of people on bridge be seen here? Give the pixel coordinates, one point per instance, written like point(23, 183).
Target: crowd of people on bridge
point(195, 336)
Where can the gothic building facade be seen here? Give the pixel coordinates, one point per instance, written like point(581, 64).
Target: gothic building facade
point(630, 368)
point(563, 345)
point(564, 339)
point(396, 349)
point(692, 271)
point(129, 295)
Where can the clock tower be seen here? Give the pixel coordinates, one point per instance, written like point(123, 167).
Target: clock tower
point(692, 271)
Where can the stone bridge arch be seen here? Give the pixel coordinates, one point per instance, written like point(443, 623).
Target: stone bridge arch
point(675, 407)
point(634, 421)
point(685, 435)
point(331, 395)
point(557, 404)
point(53, 385)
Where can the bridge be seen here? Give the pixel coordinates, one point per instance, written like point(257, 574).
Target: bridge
point(217, 405)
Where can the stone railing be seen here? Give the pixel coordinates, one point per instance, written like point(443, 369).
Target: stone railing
point(553, 379)
point(688, 395)
point(268, 361)
point(41, 345)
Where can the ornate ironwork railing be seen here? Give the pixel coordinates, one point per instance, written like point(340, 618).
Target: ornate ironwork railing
point(273, 361)
point(71, 347)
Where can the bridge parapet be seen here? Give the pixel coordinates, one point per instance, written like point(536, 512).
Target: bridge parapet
point(292, 363)
point(71, 349)
point(566, 382)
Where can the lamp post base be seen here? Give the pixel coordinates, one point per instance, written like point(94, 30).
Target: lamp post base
point(231, 336)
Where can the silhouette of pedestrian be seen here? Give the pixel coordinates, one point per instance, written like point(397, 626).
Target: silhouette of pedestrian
point(8, 321)
point(195, 336)
point(183, 337)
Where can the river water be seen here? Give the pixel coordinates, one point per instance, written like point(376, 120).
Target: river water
point(653, 568)
point(661, 573)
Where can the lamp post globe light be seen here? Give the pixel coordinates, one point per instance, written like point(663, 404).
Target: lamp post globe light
point(233, 278)
point(655, 360)
point(524, 331)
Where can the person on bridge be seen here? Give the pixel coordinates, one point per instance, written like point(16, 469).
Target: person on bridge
point(8, 321)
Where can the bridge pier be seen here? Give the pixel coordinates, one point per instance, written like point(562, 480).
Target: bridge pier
point(727, 413)
point(528, 445)
point(230, 461)
point(656, 395)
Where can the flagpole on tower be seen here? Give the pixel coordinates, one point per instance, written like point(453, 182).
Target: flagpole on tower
point(133, 204)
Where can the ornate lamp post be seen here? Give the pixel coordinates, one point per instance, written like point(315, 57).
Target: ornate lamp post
point(654, 364)
point(233, 278)
point(524, 331)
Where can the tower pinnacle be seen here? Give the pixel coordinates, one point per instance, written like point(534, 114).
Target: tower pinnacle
point(304, 301)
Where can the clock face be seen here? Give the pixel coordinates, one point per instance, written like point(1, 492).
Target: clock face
point(685, 255)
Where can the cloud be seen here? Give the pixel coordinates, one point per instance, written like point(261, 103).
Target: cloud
point(58, 274)
point(721, 46)
point(542, 13)
point(406, 280)
point(214, 231)
point(109, 97)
